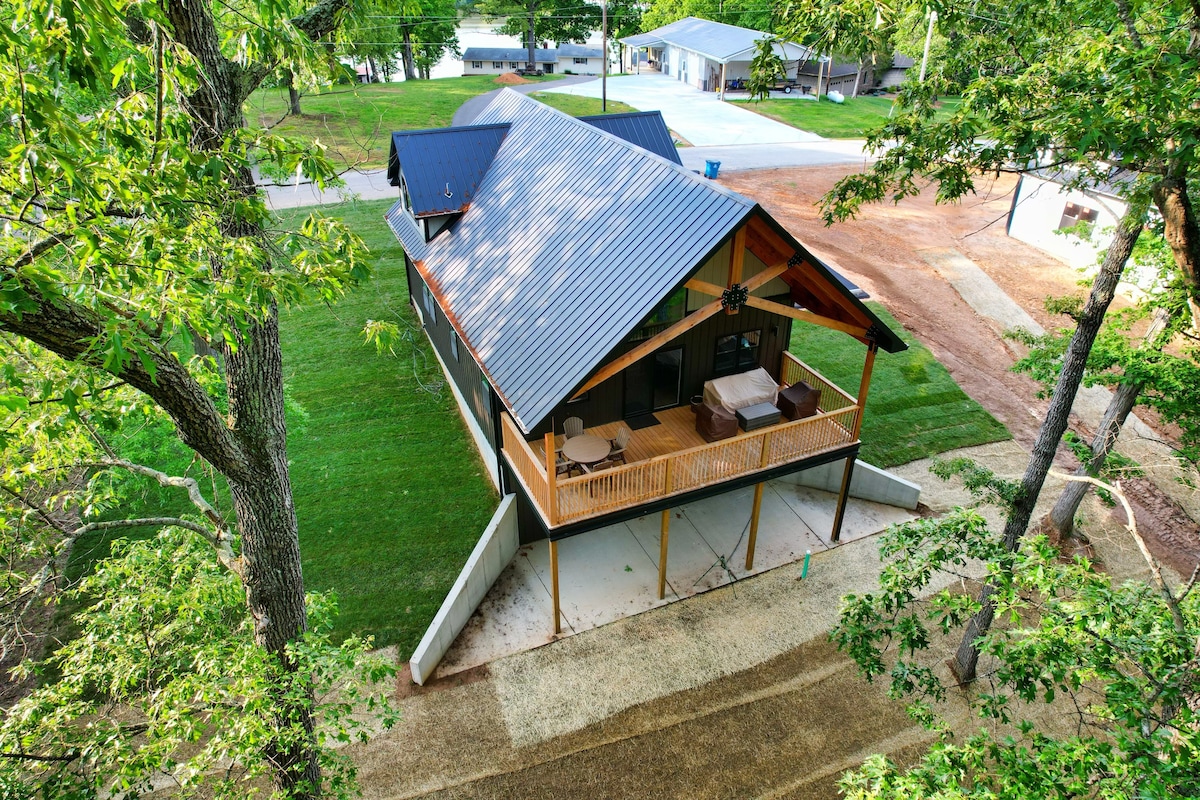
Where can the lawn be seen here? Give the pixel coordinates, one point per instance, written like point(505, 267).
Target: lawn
point(914, 408)
point(578, 106)
point(390, 492)
point(851, 119)
point(354, 120)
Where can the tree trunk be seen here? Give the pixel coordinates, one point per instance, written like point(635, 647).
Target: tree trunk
point(1182, 234)
point(293, 93)
point(531, 64)
point(406, 55)
point(1062, 516)
point(966, 659)
point(266, 517)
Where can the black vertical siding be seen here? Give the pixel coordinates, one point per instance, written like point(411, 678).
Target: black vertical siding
point(605, 402)
point(463, 371)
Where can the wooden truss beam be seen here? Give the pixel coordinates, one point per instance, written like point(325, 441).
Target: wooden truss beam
point(650, 345)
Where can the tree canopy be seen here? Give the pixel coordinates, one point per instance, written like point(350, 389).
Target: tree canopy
point(141, 276)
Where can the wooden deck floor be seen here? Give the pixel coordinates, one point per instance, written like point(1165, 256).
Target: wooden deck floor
point(676, 431)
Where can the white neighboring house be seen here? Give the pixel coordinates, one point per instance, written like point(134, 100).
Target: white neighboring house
point(579, 59)
point(498, 60)
point(708, 55)
point(1043, 206)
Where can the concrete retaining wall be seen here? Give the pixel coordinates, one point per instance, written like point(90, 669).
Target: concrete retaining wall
point(491, 555)
point(868, 483)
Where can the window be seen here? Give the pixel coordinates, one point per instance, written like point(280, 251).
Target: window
point(430, 306)
point(581, 61)
point(663, 317)
point(405, 196)
point(476, 65)
point(737, 352)
point(454, 345)
point(497, 65)
point(1075, 214)
point(513, 65)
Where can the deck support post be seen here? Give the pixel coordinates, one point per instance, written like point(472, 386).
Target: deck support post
point(863, 386)
point(554, 584)
point(551, 478)
point(662, 554)
point(843, 494)
point(758, 493)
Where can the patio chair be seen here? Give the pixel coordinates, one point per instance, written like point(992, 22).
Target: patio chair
point(572, 427)
point(605, 464)
point(799, 400)
point(617, 454)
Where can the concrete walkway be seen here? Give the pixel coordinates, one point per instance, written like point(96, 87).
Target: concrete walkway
point(612, 573)
point(697, 116)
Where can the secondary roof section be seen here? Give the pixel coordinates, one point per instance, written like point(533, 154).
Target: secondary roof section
point(646, 129)
point(443, 167)
point(715, 40)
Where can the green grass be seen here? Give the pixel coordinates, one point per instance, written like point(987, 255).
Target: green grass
point(849, 120)
point(578, 106)
point(914, 408)
point(354, 120)
point(390, 492)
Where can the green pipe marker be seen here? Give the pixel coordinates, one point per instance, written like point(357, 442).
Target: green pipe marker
point(804, 571)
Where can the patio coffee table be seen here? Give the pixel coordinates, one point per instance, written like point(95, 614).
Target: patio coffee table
point(586, 449)
point(758, 415)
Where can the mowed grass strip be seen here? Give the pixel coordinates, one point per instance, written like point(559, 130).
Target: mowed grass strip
point(852, 119)
point(578, 106)
point(914, 408)
point(354, 121)
point(390, 493)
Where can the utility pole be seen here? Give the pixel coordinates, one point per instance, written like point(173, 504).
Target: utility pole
point(604, 56)
point(928, 40)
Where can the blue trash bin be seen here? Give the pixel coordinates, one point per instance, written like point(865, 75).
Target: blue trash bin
point(710, 168)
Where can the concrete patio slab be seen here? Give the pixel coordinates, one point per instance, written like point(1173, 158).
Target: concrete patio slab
point(602, 577)
point(612, 573)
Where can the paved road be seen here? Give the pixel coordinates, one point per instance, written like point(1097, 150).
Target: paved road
point(697, 116)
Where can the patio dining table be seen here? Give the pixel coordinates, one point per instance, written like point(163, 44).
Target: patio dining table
point(586, 449)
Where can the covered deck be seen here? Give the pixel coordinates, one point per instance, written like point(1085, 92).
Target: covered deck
point(671, 458)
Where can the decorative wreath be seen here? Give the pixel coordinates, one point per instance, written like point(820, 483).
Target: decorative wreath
point(734, 297)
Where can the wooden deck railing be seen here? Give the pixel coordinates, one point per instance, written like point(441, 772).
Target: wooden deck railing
point(629, 485)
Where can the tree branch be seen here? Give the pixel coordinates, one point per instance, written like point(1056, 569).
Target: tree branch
point(1131, 526)
point(221, 538)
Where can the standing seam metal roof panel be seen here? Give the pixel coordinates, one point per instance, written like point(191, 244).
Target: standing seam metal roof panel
point(407, 230)
point(561, 256)
point(646, 129)
point(443, 167)
point(716, 40)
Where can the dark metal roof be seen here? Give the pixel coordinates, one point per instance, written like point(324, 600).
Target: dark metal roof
point(407, 230)
point(519, 54)
point(578, 51)
point(643, 128)
point(575, 236)
point(716, 40)
point(443, 167)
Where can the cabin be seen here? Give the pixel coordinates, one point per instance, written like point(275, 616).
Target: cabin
point(578, 59)
point(709, 55)
point(499, 60)
point(587, 294)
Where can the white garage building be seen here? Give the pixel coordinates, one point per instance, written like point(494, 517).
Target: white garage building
point(707, 54)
